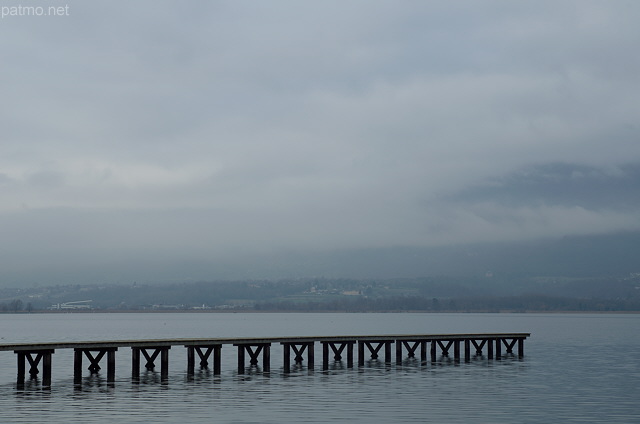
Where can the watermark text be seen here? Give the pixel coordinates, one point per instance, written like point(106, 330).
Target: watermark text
point(20, 10)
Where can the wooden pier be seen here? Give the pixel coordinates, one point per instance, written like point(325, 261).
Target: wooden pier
point(39, 355)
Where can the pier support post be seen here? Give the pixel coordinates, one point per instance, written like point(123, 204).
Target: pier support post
point(287, 357)
point(520, 348)
point(21, 367)
point(467, 350)
point(310, 355)
point(217, 359)
point(46, 369)
point(240, 359)
point(191, 361)
point(164, 363)
point(325, 356)
point(111, 365)
point(77, 366)
point(135, 363)
point(266, 358)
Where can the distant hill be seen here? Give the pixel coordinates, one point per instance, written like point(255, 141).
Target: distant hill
point(571, 256)
point(574, 256)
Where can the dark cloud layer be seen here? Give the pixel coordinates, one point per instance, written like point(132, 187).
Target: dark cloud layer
point(562, 184)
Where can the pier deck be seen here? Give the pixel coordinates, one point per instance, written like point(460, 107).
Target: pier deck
point(39, 354)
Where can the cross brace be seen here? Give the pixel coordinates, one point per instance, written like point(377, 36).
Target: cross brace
point(264, 348)
point(94, 366)
point(163, 351)
point(479, 346)
point(411, 346)
point(337, 348)
point(298, 350)
point(374, 347)
point(204, 357)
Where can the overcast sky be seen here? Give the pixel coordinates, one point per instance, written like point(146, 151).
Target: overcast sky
point(160, 131)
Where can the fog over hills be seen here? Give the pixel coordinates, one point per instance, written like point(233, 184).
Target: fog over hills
point(571, 256)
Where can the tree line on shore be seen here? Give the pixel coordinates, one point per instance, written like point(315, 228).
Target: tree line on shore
point(521, 303)
point(436, 294)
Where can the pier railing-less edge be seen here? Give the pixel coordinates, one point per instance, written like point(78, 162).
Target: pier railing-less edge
point(334, 347)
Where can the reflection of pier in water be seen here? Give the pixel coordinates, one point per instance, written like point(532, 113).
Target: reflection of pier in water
point(40, 354)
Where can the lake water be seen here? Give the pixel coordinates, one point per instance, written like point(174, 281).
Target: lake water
point(577, 368)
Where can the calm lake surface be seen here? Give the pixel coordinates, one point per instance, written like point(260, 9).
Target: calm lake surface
point(577, 368)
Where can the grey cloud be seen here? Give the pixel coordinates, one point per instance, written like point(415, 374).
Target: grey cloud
point(5, 179)
point(238, 126)
point(46, 179)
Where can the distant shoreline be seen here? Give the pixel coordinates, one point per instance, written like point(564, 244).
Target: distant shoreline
point(251, 311)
